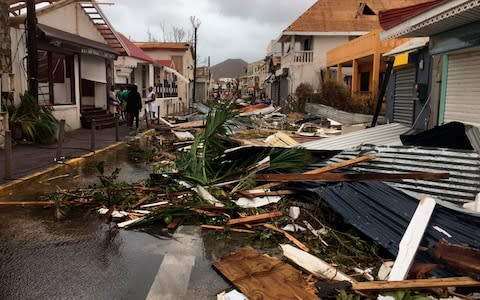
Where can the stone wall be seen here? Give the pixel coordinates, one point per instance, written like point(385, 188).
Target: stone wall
point(5, 45)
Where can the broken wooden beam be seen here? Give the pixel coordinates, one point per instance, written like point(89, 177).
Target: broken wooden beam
point(350, 177)
point(328, 168)
point(141, 201)
point(411, 239)
point(255, 218)
point(313, 264)
point(415, 284)
point(26, 202)
point(227, 228)
point(288, 236)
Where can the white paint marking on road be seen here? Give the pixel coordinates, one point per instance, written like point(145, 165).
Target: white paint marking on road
point(173, 276)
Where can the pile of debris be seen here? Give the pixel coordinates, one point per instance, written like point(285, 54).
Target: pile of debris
point(356, 208)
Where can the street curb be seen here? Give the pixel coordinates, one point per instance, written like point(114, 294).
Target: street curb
point(71, 162)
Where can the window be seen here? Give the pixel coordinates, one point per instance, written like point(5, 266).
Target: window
point(365, 10)
point(364, 81)
point(56, 84)
point(307, 44)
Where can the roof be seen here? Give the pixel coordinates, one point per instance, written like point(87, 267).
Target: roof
point(162, 45)
point(442, 17)
point(462, 165)
point(413, 44)
point(391, 17)
point(165, 62)
point(383, 213)
point(134, 51)
point(91, 9)
point(56, 34)
point(343, 16)
point(388, 134)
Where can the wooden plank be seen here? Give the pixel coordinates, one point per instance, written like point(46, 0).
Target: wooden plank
point(342, 164)
point(26, 203)
point(227, 228)
point(411, 239)
point(415, 284)
point(255, 218)
point(313, 264)
point(332, 167)
point(141, 201)
point(288, 236)
point(263, 277)
point(350, 177)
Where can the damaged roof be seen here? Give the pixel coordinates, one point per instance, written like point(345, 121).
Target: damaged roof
point(388, 134)
point(344, 16)
point(383, 213)
point(462, 165)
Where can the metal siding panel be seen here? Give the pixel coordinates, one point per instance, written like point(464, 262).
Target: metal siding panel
point(463, 88)
point(403, 105)
point(463, 166)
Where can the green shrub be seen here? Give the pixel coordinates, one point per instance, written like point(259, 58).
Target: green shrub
point(31, 121)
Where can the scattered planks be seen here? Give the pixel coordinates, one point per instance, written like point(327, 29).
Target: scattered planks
point(415, 284)
point(350, 177)
point(255, 218)
point(264, 277)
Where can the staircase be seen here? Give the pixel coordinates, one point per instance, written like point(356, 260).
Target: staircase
point(103, 119)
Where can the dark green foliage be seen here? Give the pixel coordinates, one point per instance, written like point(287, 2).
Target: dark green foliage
point(36, 123)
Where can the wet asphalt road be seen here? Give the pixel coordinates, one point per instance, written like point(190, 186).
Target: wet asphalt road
point(80, 258)
point(41, 258)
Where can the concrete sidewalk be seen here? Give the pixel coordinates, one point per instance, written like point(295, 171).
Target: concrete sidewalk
point(30, 158)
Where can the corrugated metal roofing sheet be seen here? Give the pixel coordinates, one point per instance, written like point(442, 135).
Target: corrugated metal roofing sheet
point(383, 213)
point(380, 135)
point(463, 167)
point(391, 17)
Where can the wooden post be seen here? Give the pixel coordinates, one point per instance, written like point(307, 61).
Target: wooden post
point(375, 75)
point(355, 82)
point(117, 135)
point(168, 108)
point(61, 133)
point(339, 73)
point(92, 137)
point(158, 114)
point(8, 154)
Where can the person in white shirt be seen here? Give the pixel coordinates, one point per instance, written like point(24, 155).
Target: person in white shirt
point(152, 105)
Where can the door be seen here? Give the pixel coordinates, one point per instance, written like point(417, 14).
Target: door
point(403, 98)
point(462, 101)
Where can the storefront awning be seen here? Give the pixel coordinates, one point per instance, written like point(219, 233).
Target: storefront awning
point(76, 43)
point(413, 44)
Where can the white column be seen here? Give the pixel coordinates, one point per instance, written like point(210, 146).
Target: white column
point(151, 75)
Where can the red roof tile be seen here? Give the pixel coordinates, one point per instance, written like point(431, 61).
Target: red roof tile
point(392, 17)
point(134, 51)
point(165, 62)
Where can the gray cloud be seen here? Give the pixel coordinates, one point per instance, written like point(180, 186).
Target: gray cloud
point(229, 29)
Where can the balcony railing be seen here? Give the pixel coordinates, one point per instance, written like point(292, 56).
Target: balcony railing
point(298, 57)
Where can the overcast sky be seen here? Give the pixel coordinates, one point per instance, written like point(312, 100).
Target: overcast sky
point(229, 28)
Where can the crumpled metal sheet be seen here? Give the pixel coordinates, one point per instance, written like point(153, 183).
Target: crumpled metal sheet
point(383, 214)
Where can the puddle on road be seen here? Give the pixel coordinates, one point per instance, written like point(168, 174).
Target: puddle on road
point(78, 176)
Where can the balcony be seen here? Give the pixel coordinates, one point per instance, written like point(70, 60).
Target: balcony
point(298, 58)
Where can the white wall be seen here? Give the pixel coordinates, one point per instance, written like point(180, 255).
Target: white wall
point(71, 18)
point(71, 115)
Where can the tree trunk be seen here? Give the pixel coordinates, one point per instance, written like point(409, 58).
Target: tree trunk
point(5, 44)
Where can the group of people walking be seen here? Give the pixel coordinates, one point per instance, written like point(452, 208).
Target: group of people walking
point(127, 103)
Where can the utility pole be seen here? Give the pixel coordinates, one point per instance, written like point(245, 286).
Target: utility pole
point(32, 48)
point(195, 23)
